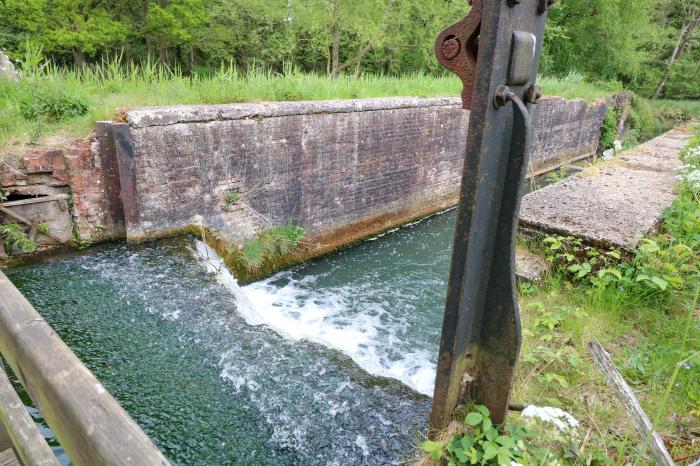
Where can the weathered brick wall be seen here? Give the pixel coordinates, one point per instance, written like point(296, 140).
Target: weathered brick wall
point(564, 131)
point(326, 165)
point(354, 167)
point(76, 173)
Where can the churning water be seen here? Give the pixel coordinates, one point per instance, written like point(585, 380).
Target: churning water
point(329, 363)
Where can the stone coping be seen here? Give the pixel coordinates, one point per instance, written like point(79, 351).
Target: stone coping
point(178, 114)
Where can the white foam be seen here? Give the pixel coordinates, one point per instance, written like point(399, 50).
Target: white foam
point(560, 418)
point(361, 442)
point(213, 263)
point(297, 312)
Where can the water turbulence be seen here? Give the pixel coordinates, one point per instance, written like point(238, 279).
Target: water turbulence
point(328, 363)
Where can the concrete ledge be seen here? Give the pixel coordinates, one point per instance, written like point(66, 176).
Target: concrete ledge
point(171, 115)
point(614, 204)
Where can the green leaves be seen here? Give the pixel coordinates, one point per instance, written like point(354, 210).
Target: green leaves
point(484, 444)
point(434, 449)
point(474, 419)
point(14, 238)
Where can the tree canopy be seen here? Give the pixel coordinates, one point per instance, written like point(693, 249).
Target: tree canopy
point(651, 46)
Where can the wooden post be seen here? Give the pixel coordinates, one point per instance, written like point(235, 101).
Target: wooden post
point(629, 402)
point(88, 422)
point(33, 229)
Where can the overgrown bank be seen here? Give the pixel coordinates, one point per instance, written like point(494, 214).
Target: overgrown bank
point(52, 103)
point(644, 312)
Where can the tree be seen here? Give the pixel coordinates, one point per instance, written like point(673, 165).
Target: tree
point(80, 27)
point(602, 39)
point(175, 24)
point(690, 21)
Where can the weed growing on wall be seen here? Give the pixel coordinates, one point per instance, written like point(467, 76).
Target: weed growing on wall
point(609, 132)
point(270, 246)
point(15, 239)
point(230, 200)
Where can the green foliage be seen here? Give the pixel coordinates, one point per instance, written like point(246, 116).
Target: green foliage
point(51, 104)
point(527, 442)
point(641, 119)
point(660, 265)
point(43, 228)
point(609, 131)
point(270, 245)
point(113, 85)
point(15, 239)
point(230, 200)
point(657, 267)
point(603, 40)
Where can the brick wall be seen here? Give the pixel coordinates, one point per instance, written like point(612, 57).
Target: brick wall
point(76, 172)
point(341, 169)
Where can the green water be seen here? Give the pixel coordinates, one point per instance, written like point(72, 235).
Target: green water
point(325, 366)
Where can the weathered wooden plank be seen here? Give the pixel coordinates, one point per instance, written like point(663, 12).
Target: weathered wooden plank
point(27, 441)
point(26, 221)
point(33, 230)
point(8, 458)
point(36, 200)
point(625, 395)
point(88, 422)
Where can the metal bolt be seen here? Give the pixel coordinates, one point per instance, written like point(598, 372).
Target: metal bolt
point(533, 94)
point(451, 48)
point(502, 96)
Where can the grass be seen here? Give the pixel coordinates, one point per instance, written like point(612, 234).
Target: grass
point(691, 107)
point(90, 94)
point(645, 313)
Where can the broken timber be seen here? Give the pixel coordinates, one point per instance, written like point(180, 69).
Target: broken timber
point(623, 393)
point(33, 223)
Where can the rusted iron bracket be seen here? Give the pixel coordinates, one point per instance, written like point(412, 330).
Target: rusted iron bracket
point(495, 51)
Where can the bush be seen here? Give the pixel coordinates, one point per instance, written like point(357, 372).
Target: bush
point(642, 118)
point(609, 131)
point(52, 105)
point(15, 239)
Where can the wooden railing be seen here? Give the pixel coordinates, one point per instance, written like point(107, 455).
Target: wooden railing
point(88, 422)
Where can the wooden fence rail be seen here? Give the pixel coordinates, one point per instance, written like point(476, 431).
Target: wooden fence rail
point(91, 426)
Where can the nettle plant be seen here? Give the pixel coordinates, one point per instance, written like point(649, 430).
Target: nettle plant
point(657, 266)
point(536, 439)
point(483, 444)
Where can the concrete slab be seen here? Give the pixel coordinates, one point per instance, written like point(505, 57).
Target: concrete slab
point(614, 204)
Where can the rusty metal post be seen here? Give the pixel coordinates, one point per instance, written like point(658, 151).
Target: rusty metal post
point(495, 51)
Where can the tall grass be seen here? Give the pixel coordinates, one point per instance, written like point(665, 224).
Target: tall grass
point(113, 85)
